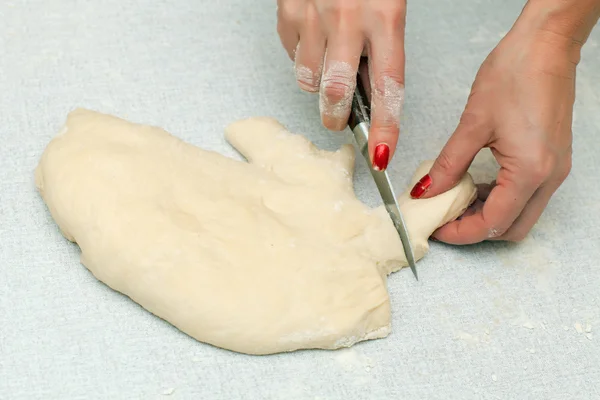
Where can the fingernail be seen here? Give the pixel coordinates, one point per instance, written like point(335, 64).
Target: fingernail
point(381, 157)
point(421, 187)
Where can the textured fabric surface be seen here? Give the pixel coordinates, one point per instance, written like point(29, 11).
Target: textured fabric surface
point(491, 321)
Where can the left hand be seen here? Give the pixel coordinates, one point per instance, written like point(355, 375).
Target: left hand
point(521, 107)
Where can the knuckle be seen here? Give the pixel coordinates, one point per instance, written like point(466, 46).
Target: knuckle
point(385, 128)
point(390, 83)
point(339, 11)
point(470, 119)
point(566, 166)
point(288, 10)
point(541, 165)
point(312, 16)
point(392, 13)
point(336, 89)
point(565, 172)
point(388, 98)
point(444, 162)
point(307, 79)
point(308, 87)
point(281, 30)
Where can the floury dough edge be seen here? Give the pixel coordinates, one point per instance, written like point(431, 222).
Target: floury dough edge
point(271, 255)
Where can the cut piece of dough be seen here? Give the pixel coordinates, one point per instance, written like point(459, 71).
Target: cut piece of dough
point(271, 255)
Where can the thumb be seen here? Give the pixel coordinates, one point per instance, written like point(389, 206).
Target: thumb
point(470, 136)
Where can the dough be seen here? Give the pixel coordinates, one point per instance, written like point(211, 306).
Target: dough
point(270, 255)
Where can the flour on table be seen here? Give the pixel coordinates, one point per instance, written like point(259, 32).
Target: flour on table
point(270, 255)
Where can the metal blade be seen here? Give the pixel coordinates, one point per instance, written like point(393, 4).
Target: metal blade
point(359, 122)
point(393, 209)
point(384, 185)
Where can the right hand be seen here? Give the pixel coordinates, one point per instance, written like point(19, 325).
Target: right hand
point(326, 38)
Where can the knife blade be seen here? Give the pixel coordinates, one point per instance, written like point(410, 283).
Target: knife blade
point(359, 122)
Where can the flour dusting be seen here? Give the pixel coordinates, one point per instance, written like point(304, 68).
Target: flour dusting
point(338, 74)
point(307, 79)
point(388, 100)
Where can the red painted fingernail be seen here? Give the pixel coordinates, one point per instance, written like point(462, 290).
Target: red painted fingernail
point(421, 187)
point(381, 157)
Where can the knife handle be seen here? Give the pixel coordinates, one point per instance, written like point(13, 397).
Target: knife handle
point(360, 112)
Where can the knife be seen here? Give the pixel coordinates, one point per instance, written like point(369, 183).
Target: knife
point(359, 122)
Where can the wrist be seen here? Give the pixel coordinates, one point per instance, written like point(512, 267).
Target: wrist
point(570, 19)
point(557, 28)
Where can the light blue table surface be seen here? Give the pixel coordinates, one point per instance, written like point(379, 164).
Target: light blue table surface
point(491, 321)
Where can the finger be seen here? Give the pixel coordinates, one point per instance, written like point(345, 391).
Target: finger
point(536, 205)
point(339, 78)
point(310, 53)
point(386, 70)
point(529, 216)
point(484, 190)
point(286, 27)
point(471, 135)
point(472, 209)
point(503, 206)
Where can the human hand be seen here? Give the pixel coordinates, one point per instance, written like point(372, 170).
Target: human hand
point(521, 107)
point(326, 38)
